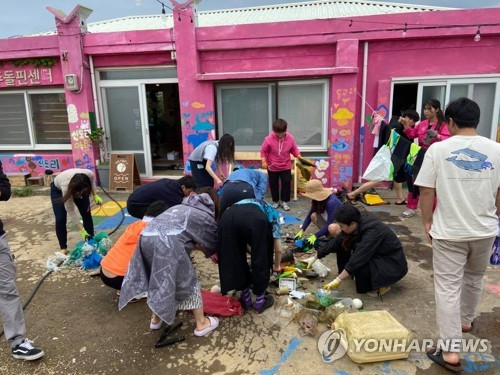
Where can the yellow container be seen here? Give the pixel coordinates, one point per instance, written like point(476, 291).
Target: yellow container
point(373, 336)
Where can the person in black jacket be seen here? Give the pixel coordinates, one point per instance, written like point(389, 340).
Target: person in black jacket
point(172, 192)
point(368, 250)
point(11, 308)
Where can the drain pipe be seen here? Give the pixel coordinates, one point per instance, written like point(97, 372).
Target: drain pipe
point(363, 111)
point(96, 107)
point(94, 91)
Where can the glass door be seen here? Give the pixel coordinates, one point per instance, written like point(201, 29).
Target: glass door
point(123, 119)
point(484, 94)
point(430, 90)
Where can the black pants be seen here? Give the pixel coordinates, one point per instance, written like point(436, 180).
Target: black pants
point(83, 205)
point(112, 282)
point(242, 225)
point(286, 185)
point(362, 277)
point(234, 191)
point(201, 177)
point(136, 210)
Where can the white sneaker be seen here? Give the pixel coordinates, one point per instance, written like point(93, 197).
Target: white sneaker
point(286, 207)
point(409, 213)
point(276, 205)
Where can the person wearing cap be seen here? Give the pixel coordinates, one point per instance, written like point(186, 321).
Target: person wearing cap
point(324, 207)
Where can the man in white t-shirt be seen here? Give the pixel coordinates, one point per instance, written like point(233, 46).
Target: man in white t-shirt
point(463, 172)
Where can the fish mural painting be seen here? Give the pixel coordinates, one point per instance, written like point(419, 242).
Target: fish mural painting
point(470, 160)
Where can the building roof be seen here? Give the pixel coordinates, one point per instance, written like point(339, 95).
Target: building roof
point(320, 9)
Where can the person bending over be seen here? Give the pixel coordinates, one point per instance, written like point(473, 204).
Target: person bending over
point(368, 250)
point(171, 192)
point(114, 265)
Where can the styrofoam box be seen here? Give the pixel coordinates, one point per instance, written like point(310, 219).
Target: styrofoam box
point(373, 325)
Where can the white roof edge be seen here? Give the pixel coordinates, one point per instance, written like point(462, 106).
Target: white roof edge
point(214, 13)
point(287, 5)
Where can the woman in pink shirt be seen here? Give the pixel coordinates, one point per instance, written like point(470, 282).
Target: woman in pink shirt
point(429, 131)
point(433, 129)
point(275, 153)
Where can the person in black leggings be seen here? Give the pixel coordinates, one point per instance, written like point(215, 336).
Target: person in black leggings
point(69, 194)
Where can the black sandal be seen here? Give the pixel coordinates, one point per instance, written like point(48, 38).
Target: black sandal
point(402, 203)
point(436, 355)
point(469, 330)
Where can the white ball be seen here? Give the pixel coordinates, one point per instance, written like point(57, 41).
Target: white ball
point(357, 303)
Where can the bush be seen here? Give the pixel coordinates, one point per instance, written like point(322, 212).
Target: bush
point(22, 192)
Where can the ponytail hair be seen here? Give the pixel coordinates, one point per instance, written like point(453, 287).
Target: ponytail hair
point(436, 104)
point(78, 186)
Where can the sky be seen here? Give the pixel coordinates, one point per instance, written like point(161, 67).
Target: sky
point(16, 20)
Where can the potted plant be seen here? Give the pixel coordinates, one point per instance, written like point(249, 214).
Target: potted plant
point(96, 136)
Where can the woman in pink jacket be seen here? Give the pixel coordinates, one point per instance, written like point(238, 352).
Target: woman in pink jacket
point(275, 153)
point(433, 129)
point(429, 131)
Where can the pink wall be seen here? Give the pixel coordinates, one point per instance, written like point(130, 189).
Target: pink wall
point(36, 164)
point(21, 48)
point(80, 103)
point(424, 58)
point(133, 59)
point(282, 50)
point(196, 98)
point(341, 144)
point(238, 60)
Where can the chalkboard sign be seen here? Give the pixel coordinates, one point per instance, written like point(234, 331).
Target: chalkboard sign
point(123, 172)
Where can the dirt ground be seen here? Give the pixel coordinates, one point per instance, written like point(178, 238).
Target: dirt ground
point(75, 319)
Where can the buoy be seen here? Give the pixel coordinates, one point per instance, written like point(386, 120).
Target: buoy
point(357, 303)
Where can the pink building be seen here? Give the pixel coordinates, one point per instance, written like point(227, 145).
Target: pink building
point(160, 85)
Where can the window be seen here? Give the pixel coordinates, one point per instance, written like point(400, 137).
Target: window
point(138, 74)
point(13, 120)
point(247, 112)
point(483, 90)
point(33, 120)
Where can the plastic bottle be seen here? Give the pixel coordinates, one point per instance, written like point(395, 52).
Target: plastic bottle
point(348, 305)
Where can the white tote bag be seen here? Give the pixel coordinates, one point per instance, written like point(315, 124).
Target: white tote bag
point(380, 167)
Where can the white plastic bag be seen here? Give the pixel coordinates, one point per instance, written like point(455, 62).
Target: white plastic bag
point(55, 261)
point(380, 167)
point(320, 268)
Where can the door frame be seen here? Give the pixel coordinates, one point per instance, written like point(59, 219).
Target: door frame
point(455, 79)
point(140, 84)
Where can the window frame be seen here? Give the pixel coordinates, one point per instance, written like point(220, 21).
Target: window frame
point(325, 83)
point(453, 80)
point(31, 125)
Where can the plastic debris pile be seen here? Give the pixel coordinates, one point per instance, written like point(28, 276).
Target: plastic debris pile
point(88, 254)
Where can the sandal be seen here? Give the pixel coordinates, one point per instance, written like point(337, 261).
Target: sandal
point(468, 330)
point(436, 355)
point(214, 323)
point(402, 203)
point(155, 326)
